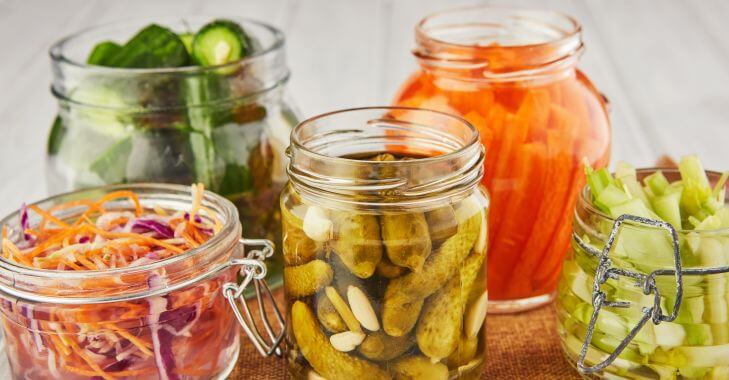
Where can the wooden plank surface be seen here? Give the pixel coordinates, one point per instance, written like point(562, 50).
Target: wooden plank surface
point(664, 64)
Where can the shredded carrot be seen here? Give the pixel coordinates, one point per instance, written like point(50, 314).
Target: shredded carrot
point(80, 243)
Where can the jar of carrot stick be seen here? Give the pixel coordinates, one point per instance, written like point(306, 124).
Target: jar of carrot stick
point(512, 73)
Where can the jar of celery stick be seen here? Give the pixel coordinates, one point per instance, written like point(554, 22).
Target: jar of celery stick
point(640, 298)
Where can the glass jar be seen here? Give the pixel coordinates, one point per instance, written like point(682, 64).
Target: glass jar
point(225, 126)
point(694, 345)
point(511, 73)
point(170, 319)
point(384, 246)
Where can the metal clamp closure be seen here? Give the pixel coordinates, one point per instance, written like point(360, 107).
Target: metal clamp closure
point(254, 270)
point(606, 271)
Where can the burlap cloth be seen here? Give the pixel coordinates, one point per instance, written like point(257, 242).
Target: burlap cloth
point(520, 346)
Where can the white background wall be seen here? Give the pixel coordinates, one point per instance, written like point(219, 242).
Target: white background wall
point(664, 64)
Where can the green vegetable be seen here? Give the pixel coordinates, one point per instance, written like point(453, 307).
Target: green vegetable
point(111, 166)
point(186, 39)
point(696, 344)
point(56, 136)
point(153, 47)
point(103, 52)
point(220, 42)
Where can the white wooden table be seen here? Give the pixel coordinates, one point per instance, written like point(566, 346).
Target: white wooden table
point(664, 64)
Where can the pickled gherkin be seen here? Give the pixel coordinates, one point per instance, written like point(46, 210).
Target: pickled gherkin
point(297, 247)
point(408, 290)
point(386, 269)
point(398, 286)
point(442, 223)
point(307, 279)
point(441, 322)
point(419, 368)
point(379, 346)
point(406, 239)
point(325, 359)
point(358, 243)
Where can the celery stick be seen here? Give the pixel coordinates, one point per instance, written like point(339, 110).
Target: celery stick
point(696, 186)
point(611, 196)
point(667, 207)
point(626, 175)
point(693, 372)
point(597, 180)
point(656, 182)
point(632, 207)
point(711, 255)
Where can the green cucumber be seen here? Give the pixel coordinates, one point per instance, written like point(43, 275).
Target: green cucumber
point(111, 165)
point(220, 42)
point(55, 138)
point(186, 39)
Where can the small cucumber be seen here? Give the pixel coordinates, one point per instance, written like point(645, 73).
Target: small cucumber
point(220, 42)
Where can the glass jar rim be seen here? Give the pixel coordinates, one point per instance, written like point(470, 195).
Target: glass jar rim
point(296, 141)
point(231, 226)
point(422, 32)
point(584, 199)
point(444, 151)
point(57, 50)
point(484, 44)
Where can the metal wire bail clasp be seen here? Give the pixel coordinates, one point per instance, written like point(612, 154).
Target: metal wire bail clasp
point(254, 270)
point(605, 271)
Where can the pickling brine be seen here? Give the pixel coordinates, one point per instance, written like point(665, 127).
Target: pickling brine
point(385, 256)
point(511, 73)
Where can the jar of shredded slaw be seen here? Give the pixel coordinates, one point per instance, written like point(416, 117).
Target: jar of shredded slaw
point(122, 282)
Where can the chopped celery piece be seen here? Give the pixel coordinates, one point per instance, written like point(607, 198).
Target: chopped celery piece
point(694, 356)
point(656, 182)
point(626, 175)
point(696, 186)
point(597, 180)
point(611, 196)
point(633, 207)
point(698, 334)
point(667, 206)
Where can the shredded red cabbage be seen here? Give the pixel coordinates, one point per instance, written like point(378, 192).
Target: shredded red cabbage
point(144, 225)
point(24, 221)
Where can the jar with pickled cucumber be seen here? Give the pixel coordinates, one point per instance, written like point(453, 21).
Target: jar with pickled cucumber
point(384, 241)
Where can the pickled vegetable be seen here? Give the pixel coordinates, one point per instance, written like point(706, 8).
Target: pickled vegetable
point(387, 277)
point(442, 224)
point(379, 346)
point(329, 316)
point(694, 202)
point(407, 239)
point(298, 248)
point(419, 368)
point(307, 279)
point(327, 361)
point(441, 322)
point(403, 294)
point(358, 243)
